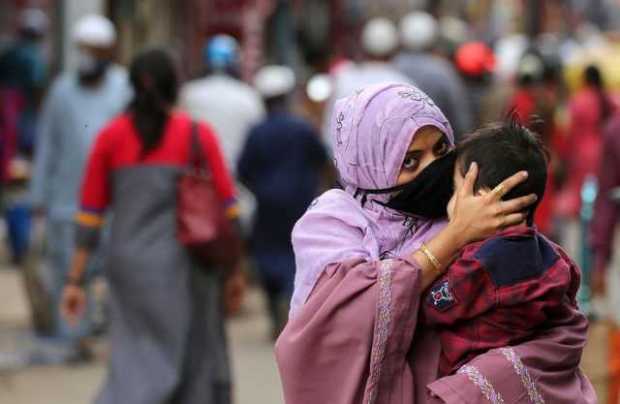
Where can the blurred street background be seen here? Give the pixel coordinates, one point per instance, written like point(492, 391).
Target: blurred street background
point(242, 65)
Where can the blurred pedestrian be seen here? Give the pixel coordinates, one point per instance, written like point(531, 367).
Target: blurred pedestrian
point(168, 342)
point(78, 105)
point(23, 73)
point(525, 100)
point(379, 41)
point(431, 73)
point(23, 69)
point(607, 206)
point(534, 103)
point(604, 226)
point(476, 63)
point(231, 106)
point(282, 163)
point(227, 103)
point(589, 109)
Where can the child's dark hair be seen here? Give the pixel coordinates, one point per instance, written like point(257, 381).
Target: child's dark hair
point(501, 150)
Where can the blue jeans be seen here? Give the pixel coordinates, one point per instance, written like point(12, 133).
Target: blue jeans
point(18, 220)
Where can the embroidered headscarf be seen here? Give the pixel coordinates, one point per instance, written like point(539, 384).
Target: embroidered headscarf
point(371, 132)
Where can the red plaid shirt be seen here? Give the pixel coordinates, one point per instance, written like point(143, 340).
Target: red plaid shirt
point(500, 292)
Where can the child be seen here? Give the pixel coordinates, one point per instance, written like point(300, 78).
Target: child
point(502, 290)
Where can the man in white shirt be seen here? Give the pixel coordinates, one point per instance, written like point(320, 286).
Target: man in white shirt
point(228, 104)
point(379, 41)
point(78, 105)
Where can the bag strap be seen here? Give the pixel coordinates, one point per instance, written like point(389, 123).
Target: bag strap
point(197, 159)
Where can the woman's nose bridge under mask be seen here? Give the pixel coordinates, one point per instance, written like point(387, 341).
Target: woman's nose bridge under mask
point(427, 195)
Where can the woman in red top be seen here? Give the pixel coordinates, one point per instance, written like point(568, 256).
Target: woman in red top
point(167, 334)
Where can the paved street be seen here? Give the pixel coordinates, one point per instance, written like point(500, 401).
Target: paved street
point(255, 371)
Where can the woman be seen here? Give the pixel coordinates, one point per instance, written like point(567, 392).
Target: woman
point(365, 255)
point(167, 340)
point(589, 110)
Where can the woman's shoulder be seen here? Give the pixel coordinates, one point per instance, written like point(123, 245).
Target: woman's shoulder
point(334, 202)
point(332, 207)
point(116, 128)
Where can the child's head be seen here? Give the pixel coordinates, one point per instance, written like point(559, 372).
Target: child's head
point(501, 150)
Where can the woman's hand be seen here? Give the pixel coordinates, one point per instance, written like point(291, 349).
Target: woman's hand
point(73, 304)
point(476, 217)
point(234, 293)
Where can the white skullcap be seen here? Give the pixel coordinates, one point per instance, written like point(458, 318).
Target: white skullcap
point(379, 37)
point(453, 29)
point(509, 50)
point(418, 31)
point(319, 88)
point(531, 65)
point(33, 19)
point(274, 81)
point(94, 30)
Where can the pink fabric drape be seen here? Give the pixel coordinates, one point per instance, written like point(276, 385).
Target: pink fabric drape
point(355, 341)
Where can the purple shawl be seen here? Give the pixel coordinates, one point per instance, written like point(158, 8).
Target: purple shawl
point(371, 132)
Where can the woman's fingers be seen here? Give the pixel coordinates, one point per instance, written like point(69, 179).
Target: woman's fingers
point(512, 220)
point(517, 204)
point(508, 184)
point(470, 180)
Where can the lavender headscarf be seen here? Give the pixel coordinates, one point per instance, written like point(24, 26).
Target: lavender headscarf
point(371, 132)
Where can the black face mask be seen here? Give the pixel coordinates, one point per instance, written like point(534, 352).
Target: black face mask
point(428, 194)
point(95, 71)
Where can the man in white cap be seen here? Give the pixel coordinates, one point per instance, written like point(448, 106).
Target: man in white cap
point(431, 73)
point(78, 105)
point(282, 163)
point(379, 41)
point(228, 104)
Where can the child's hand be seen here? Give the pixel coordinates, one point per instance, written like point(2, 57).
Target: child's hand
point(476, 217)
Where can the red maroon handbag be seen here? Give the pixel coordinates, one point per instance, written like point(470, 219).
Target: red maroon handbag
point(202, 224)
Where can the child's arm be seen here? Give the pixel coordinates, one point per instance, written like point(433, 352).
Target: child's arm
point(464, 292)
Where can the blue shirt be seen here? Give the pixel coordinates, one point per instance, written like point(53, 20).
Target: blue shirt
point(281, 165)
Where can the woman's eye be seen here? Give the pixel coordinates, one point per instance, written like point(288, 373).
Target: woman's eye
point(410, 163)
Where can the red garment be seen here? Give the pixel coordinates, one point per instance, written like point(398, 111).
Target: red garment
point(584, 148)
point(523, 103)
point(12, 103)
point(119, 145)
point(606, 209)
point(544, 212)
point(500, 292)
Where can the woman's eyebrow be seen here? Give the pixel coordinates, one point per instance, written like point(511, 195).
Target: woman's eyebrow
point(414, 152)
